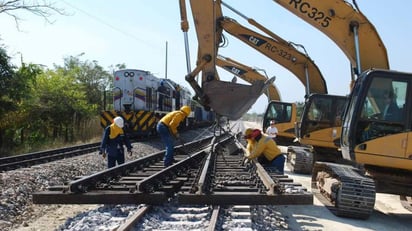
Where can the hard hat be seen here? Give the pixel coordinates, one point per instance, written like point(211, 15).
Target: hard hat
point(119, 121)
point(186, 110)
point(255, 133)
point(248, 132)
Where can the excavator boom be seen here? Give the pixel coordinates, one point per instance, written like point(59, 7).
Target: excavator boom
point(282, 53)
point(347, 27)
point(246, 73)
point(225, 98)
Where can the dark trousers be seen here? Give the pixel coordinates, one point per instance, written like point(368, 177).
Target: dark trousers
point(111, 160)
point(279, 163)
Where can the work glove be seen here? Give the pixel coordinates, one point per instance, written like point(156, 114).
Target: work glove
point(103, 153)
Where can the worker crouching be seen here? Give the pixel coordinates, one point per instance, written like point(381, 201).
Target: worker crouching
point(264, 149)
point(167, 129)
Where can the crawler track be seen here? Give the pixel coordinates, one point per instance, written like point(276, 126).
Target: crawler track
point(207, 171)
point(300, 159)
point(344, 191)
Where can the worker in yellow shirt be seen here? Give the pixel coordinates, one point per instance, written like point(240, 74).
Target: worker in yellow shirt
point(167, 129)
point(250, 142)
point(264, 148)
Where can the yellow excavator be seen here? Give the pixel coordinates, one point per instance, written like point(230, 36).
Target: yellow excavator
point(318, 137)
point(376, 125)
point(225, 98)
point(318, 133)
point(287, 55)
point(209, 38)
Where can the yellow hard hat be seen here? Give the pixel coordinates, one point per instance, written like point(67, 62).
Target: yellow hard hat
point(186, 110)
point(248, 132)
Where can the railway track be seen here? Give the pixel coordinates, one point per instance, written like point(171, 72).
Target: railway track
point(173, 216)
point(192, 218)
point(41, 157)
point(207, 171)
point(35, 158)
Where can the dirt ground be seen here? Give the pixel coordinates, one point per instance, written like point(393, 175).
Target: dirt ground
point(389, 214)
point(54, 216)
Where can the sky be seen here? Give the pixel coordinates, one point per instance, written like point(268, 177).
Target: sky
point(137, 32)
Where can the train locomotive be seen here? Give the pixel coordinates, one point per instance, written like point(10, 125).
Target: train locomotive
point(142, 99)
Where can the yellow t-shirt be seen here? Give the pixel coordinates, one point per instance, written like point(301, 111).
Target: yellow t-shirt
point(266, 146)
point(172, 120)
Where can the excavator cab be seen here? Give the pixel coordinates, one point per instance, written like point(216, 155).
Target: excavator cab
point(377, 123)
point(321, 122)
point(284, 115)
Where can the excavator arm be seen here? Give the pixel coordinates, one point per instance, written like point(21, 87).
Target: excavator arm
point(347, 27)
point(248, 74)
point(280, 51)
point(225, 98)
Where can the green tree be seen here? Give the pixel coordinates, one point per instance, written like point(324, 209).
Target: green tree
point(90, 75)
point(15, 90)
point(62, 104)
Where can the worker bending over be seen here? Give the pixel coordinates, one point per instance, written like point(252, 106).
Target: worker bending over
point(167, 129)
point(264, 148)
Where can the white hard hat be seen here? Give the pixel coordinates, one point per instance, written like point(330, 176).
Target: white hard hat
point(119, 121)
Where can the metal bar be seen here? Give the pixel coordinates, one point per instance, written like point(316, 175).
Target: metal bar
point(245, 198)
point(214, 218)
point(98, 197)
point(150, 181)
point(129, 224)
point(205, 170)
point(266, 179)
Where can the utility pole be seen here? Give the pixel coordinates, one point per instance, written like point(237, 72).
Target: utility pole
point(166, 63)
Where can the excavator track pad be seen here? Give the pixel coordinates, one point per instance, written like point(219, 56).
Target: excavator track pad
point(343, 190)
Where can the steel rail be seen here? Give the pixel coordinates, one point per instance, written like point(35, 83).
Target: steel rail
point(130, 223)
point(30, 159)
point(221, 180)
point(265, 178)
point(82, 185)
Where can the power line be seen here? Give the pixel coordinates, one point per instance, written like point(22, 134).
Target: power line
point(107, 24)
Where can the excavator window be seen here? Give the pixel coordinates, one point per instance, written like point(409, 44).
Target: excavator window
point(324, 111)
point(383, 113)
point(280, 112)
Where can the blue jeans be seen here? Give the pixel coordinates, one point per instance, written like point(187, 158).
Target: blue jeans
point(167, 138)
point(279, 163)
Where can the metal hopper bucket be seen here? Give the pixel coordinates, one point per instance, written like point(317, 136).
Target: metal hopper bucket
point(232, 99)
